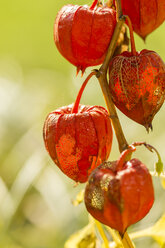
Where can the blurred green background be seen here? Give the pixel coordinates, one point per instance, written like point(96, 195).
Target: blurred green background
point(36, 208)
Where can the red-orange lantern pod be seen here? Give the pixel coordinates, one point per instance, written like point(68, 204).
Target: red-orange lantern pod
point(78, 142)
point(137, 84)
point(78, 137)
point(82, 33)
point(119, 193)
point(145, 15)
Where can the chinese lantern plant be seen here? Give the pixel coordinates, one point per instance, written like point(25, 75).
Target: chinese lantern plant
point(137, 83)
point(120, 193)
point(78, 33)
point(78, 137)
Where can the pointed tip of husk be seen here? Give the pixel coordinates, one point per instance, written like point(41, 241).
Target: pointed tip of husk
point(143, 38)
point(77, 71)
point(82, 69)
point(148, 127)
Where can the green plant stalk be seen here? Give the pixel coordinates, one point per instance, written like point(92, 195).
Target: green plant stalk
point(159, 164)
point(102, 77)
point(122, 143)
point(115, 236)
point(102, 233)
point(126, 241)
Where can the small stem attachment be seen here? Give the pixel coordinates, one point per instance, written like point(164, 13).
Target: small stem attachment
point(126, 241)
point(93, 4)
point(76, 104)
point(159, 164)
point(125, 156)
point(101, 231)
point(133, 48)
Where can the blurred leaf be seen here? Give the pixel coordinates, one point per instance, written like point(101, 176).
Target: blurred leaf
point(84, 238)
point(157, 232)
point(52, 189)
point(7, 242)
point(30, 170)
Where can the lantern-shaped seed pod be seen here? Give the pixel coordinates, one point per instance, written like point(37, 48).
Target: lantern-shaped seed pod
point(119, 193)
point(82, 33)
point(78, 142)
point(137, 83)
point(78, 137)
point(145, 15)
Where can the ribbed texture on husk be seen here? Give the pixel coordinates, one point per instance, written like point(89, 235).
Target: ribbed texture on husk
point(146, 15)
point(78, 142)
point(82, 35)
point(137, 85)
point(121, 198)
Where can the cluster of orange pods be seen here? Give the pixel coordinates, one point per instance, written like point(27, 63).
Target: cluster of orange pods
point(79, 138)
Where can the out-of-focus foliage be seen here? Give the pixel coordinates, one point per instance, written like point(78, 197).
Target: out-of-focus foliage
point(36, 208)
point(84, 238)
point(156, 232)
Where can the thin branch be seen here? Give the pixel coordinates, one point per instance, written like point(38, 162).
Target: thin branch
point(101, 75)
point(126, 241)
point(112, 46)
point(119, 9)
point(112, 111)
point(101, 231)
point(77, 102)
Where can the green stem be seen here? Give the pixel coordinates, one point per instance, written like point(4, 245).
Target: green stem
point(126, 241)
point(112, 112)
point(159, 164)
point(112, 46)
point(115, 235)
point(101, 75)
point(101, 231)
